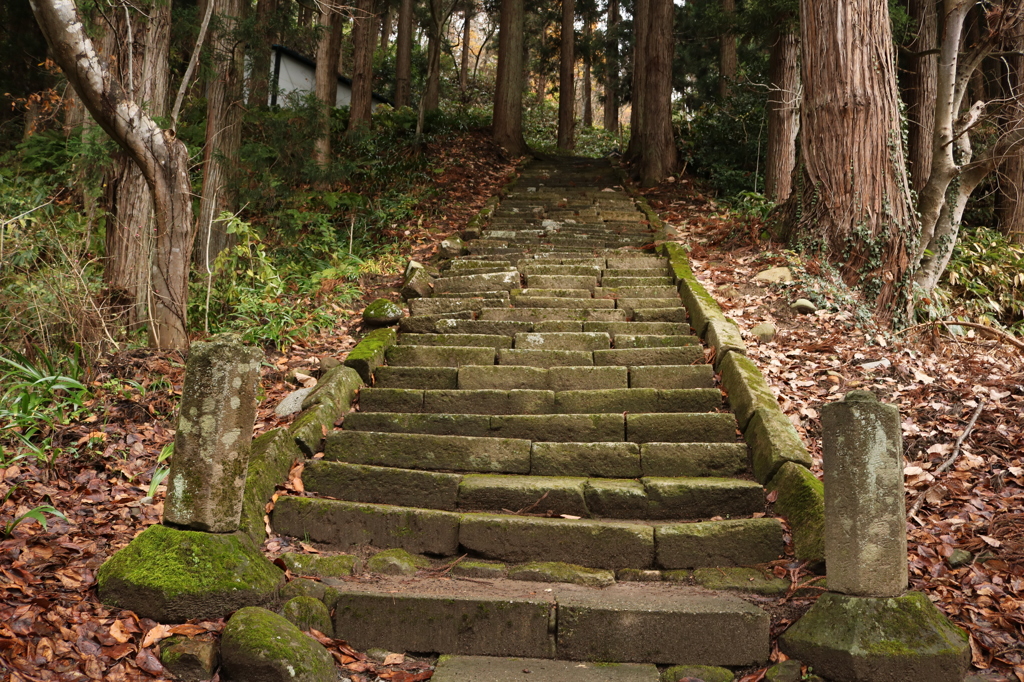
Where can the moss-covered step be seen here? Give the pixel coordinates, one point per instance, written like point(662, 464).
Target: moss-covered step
point(693, 498)
point(545, 358)
point(561, 302)
point(654, 340)
point(746, 386)
point(467, 263)
point(427, 324)
point(391, 400)
point(435, 306)
point(579, 428)
point(635, 262)
point(666, 291)
point(488, 282)
point(538, 494)
point(577, 341)
point(616, 328)
point(508, 377)
point(541, 314)
point(736, 542)
point(344, 525)
point(677, 428)
point(489, 327)
point(638, 400)
point(609, 460)
point(630, 304)
point(368, 354)
point(382, 485)
point(692, 459)
point(550, 293)
point(560, 572)
point(660, 623)
point(587, 542)
point(481, 340)
point(478, 668)
point(675, 314)
point(439, 356)
point(429, 452)
point(671, 376)
point(624, 357)
point(489, 401)
point(653, 281)
point(416, 377)
point(650, 271)
point(592, 270)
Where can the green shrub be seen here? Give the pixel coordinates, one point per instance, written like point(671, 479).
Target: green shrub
point(985, 276)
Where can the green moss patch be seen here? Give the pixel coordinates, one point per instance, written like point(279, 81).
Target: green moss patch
point(322, 566)
point(259, 644)
point(801, 500)
point(558, 572)
point(308, 613)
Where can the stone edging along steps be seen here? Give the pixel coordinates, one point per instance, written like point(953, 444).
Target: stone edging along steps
point(547, 415)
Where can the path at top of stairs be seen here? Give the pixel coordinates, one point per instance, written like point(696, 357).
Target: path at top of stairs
point(548, 404)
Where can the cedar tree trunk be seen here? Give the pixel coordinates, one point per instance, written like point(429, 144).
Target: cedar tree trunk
point(328, 52)
point(920, 91)
point(611, 82)
point(657, 154)
point(783, 113)
point(566, 80)
point(728, 61)
point(508, 96)
point(588, 92)
point(260, 53)
point(363, 33)
point(403, 58)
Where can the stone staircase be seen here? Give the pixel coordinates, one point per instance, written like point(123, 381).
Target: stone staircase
point(547, 404)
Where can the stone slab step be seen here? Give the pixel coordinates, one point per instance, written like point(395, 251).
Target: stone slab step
point(680, 355)
point(501, 295)
point(586, 341)
point(545, 358)
point(416, 377)
point(551, 293)
point(494, 669)
point(636, 292)
point(650, 623)
point(465, 263)
point(541, 314)
point(489, 282)
point(675, 314)
point(509, 377)
point(587, 271)
point(441, 356)
point(429, 452)
point(481, 340)
point(652, 340)
point(653, 271)
point(624, 281)
point(588, 282)
point(562, 302)
point(671, 376)
point(636, 262)
point(433, 306)
point(633, 303)
point(615, 328)
point(488, 327)
point(427, 324)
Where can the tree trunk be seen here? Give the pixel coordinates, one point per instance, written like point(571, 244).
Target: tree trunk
point(403, 59)
point(783, 113)
point(363, 35)
point(162, 157)
point(467, 34)
point(432, 91)
point(327, 53)
point(385, 29)
point(638, 90)
point(588, 92)
point(508, 96)
point(566, 80)
point(611, 83)
point(1010, 200)
point(260, 53)
point(224, 109)
point(658, 154)
point(728, 62)
point(920, 91)
point(854, 195)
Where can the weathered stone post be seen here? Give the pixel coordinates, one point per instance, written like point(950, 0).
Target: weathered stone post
point(868, 628)
point(197, 564)
point(211, 446)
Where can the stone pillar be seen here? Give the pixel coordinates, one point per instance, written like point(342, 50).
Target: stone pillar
point(865, 510)
point(211, 446)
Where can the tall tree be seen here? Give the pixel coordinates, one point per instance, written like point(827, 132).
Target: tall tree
point(588, 94)
point(728, 60)
point(1010, 200)
point(783, 110)
point(854, 196)
point(657, 154)
point(567, 79)
point(507, 126)
point(638, 88)
point(385, 28)
point(467, 35)
point(162, 157)
point(224, 109)
point(328, 52)
point(403, 58)
point(922, 77)
point(439, 12)
point(611, 78)
point(260, 52)
point(363, 33)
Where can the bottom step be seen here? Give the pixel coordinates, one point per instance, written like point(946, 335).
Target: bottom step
point(628, 622)
point(489, 669)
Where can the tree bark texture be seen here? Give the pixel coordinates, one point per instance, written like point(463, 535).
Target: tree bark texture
point(658, 154)
point(588, 91)
point(141, 67)
point(162, 157)
point(641, 14)
point(783, 113)
point(728, 61)
point(1010, 200)
point(328, 52)
point(508, 96)
point(260, 53)
point(611, 83)
point(440, 10)
point(224, 110)
point(854, 193)
point(467, 35)
point(403, 57)
point(385, 29)
point(567, 79)
point(920, 91)
point(363, 33)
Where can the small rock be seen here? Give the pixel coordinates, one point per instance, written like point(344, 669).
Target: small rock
point(382, 313)
point(802, 305)
point(303, 587)
point(453, 247)
point(728, 291)
point(706, 673)
point(774, 275)
point(419, 284)
point(959, 557)
point(191, 660)
point(292, 402)
point(396, 562)
point(328, 363)
point(308, 613)
point(258, 644)
point(787, 671)
point(637, 575)
point(322, 565)
point(765, 332)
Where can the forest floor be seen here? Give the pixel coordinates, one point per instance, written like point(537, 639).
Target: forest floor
point(52, 626)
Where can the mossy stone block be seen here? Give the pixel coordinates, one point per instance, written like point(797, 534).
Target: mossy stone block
point(396, 562)
point(172, 576)
point(691, 498)
point(482, 492)
point(391, 400)
point(773, 441)
point(258, 644)
point(308, 613)
point(190, 659)
point(559, 572)
point(587, 378)
point(382, 485)
point(607, 460)
point(693, 459)
point(738, 542)
point(725, 338)
point(638, 400)
point(705, 673)
point(490, 401)
point(680, 428)
point(417, 377)
point(439, 356)
point(653, 341)
point(303, 587)
point(382, 312)
point(671, 376)
point(616, 498)
point(637, 575)
point(801, 500)
point(337, 388)
point(699, 303)
point(741, 580)
point(427, 451)
point(629, 357)
point(322, 565)
point(746, 387)
point(881, 639)
point(308, 430)
point(270, 460)
point(368, 354)
point(678, 262)
point(786, 671)
point(480, 569)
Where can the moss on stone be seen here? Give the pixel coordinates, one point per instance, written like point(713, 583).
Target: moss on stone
point(337, 388)
point(741, 580)
point(255, 640)
point(479, 569)
point(746, 386)
point(303, 587)
point(396, 562)
point(369, 352)
point(174, 575)
point(773, 441)
point(706, 673)
point(307, 613)
point(270, 461)
point(801, 500)
point(559, 572)
point(382, 311)
point(322, 565)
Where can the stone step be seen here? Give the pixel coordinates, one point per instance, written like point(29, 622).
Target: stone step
point(427, 324)
point(662, 271)
point(429, 452)
point(542, 314)
point(439, 356)
point(595, 543)
point(677, 315)
point(481, 340)
point(434, 306)
point(439, 378)
point(579, 303)
point(632, 303)
point(627, 622)
point(500, 295)
point(678, 355)
point(490, 282)
point(671, 376)
point(552, 293)
point(509, 377)
point(654, 340)
point(625, 281)
point(486, 327)
point(588, 282)
point(463, 263)
point(635, 262)
point(563, 269)
point(576, 427)
point(623, 327)
point(492, 401)
point(636, 292)
point(588, 341)
point(545, 358)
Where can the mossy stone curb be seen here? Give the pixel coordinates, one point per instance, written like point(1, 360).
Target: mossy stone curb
point(801, 499)
point(258, 644)
point(172, 575)
point(724, 336)
point(337, 388)
point(560, 572)
point(270, 461)
point(773, 441)
point(368, 354)
point(746, 387)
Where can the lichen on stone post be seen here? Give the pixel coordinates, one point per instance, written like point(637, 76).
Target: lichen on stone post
point(211, 447)
point(865, 510)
